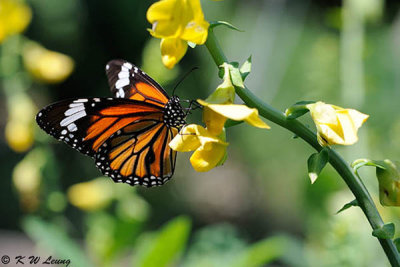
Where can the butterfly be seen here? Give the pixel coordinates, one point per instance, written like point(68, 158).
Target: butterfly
point(127, 135)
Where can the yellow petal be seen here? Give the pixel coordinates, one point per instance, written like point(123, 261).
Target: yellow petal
point(336, 125)
point(215, 122)
point(172, 50)
point(186, 140)
point(166, 17)
point(208, 156)
point(237, 113)
point(196, 28)
point(209, 149)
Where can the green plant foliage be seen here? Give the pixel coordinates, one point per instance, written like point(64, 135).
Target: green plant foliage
point(55, 239)
point(297, 110)
point(316, 162)
point(262, 252)
point(165, 247)
point(353, 203)
point(245, 69)
point(385, 232)
point(214, 24)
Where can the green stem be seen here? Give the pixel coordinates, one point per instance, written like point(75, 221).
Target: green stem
point(346, 172)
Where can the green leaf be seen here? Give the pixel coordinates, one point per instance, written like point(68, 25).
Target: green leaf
point(164, 247)
point(385, 232)
point(55, 240)
point(245, 69)
point(231, 123)
point(366, 162)
point(236, 76)
point(316, 162)
point(297, 110)
point(262, 252)
point(214, 24)
point(353, 203)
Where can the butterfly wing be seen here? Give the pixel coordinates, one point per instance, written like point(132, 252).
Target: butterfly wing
point(85, 124)
point(139, 154)
point(128, 81)
point(127, 138)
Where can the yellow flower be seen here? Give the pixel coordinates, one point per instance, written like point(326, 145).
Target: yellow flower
point(219, 107)
point(209, 149)
point(27, 177)
point(14, 17)
point(19, 131)
point(177, 22)
point(19, 135)
point(209, 143)
point(45, 65)
point(93, 195)
point(336, 125)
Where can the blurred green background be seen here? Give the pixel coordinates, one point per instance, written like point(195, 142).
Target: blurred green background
point(259, 208)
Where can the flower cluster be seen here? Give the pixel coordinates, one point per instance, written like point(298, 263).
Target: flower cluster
point(177, 23)
point(209, 142)
point(42, 64)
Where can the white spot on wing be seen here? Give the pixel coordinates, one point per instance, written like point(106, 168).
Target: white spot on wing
point(123, 74)
point(128, 65)
point(72, 127)
point(81, 100)
point(121, 83)
point(72, 118)
point(74, 110)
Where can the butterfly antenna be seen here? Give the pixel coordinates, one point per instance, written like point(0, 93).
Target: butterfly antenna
point(183, 78)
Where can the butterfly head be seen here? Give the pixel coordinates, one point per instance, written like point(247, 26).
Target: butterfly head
point(174, 116)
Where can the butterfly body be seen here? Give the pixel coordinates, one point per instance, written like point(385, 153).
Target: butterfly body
point(127, 135)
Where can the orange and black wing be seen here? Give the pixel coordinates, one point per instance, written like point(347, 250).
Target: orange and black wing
point(128, 138)
point(139, 154)
point(85, 124)
point(128, 81)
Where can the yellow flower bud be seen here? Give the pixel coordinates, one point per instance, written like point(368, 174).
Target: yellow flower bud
point(26, 176)
point(336, 125)
point(93, 195)
point(19, 128)
point(45, 65)
point(389, 183)
point(19, 135)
